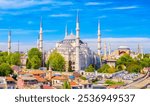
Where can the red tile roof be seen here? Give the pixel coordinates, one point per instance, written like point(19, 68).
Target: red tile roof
point(59, 78)
point(72, 83)
point(40, 79)
point(48, 87)
point(9, 79)
point(37, 72)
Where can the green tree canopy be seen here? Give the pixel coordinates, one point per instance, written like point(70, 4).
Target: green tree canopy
point(11, 59)
point(3, 57)
point(104, 68)
point(5, 69)
point(35, 62)
point(145, 62)
point(124, 60)
point(15, 59)
point(90, 68)
point(34, 52)
point(56, 61)
point(134, 68)
point(34, 59)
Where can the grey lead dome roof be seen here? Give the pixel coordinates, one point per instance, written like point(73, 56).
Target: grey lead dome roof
point(123, 47)
point(70, 38)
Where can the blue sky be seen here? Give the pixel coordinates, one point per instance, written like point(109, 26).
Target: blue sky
point(119, 19)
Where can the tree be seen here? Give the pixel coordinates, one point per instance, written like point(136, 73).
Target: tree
point(120, 67)
point(134, 68)
point(28, 64)
point(34, 59)
point(56, 61)
point(5, 69)
point(104, 68)
point(35, 62)
point(124, 60)
point(111, 70)
point(15, 59)
point(145, 62)
point(66, 85)
point(34, 52)
point(90, 68)
point(3, 57)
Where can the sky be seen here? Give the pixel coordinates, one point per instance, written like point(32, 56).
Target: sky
point(123, 22)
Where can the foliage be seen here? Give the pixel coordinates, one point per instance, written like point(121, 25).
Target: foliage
point(5, 69)
point(66, 85)
point(56, 61)
point(90, 68)
point(134, 68)
point(83, 78)
point(35, 62)
point(34, 52)
point(111, 70)
point(34, 59)
point(3, 57)
point(120, 67)
point(12, 59)
point(124, 60)
point(145, 62)
point(110, 82)
point(104, 68)
point(15, 59)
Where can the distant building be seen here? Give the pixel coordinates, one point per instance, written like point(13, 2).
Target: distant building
point(120, 51)
point(3, 83)
point(11, 83)
point(26, 81)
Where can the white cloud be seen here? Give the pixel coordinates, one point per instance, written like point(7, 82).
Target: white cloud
point(125, 8)
point(121, 8)
point(15, 4)
point(97, 3)
point(63, 3)
point(60, 15)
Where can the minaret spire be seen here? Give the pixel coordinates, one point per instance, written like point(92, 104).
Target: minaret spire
point(142, 52)
point(139, 49)
point(99, 39)
point(9, 42)
point(109, 49)
point(105, 51)
point(77, 66)
point(41, 37)
point(66, 31)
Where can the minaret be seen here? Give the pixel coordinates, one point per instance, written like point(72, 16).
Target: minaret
point(105, 51)
point(9, 42)
point(77, 66)
point(142, 52)
point(99, 40)
point(41, 37)
point(66, 31)
point(109, 49)
point(138, 49)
